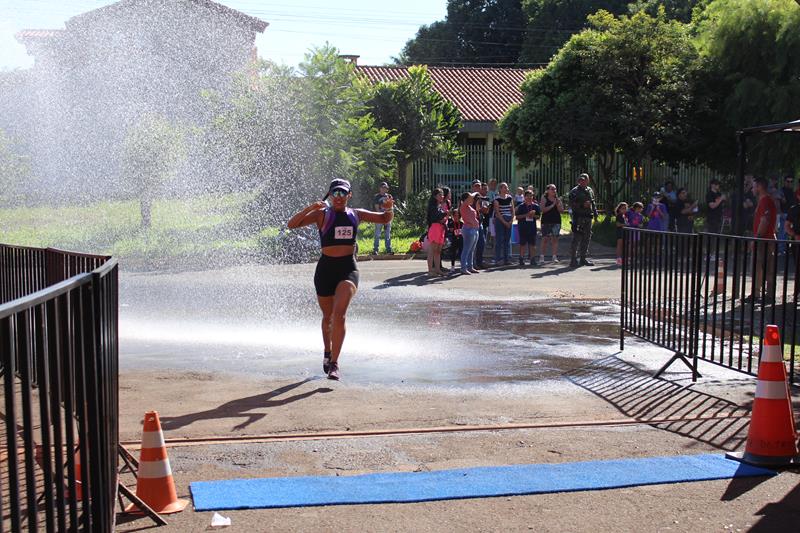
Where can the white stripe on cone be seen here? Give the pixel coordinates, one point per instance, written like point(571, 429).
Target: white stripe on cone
point(152, 439)
point(772, 354)
point(771, 390)
point(155, 469)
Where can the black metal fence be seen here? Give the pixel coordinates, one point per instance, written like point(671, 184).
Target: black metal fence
point(709, 297)
point(59, 357)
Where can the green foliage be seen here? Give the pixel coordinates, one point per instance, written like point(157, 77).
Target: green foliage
point(552, 22)
point(474, 31)
point(281, 131)
point(751, 76)
point(334, 105)
point(623, 86)
point(423, 120)
point(413, 210)
point(152, 151)
point(15, 171)
point(681, 10)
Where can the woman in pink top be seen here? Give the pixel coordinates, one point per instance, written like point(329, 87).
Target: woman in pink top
point(469, 231)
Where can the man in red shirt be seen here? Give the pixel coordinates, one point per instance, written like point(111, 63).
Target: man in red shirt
point(764, 220)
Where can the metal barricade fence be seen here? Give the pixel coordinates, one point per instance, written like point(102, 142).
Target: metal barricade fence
point(59, 356)
point(709, 297)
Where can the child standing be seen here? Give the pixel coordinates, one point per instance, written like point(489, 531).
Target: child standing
point(527, 213)
point(622, 221)
point(456, 239)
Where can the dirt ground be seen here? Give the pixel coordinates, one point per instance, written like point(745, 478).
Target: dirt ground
point(611, 388)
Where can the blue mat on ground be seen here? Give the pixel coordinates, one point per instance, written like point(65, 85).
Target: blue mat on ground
point(478, 482)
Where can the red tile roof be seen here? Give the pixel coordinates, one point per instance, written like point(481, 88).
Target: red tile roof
point(481, 94)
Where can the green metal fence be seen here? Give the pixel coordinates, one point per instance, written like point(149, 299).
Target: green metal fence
point(635, 182)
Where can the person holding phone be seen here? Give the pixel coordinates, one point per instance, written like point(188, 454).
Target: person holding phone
point(336, 276)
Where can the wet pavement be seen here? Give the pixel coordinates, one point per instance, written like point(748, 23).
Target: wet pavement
point(265, 321)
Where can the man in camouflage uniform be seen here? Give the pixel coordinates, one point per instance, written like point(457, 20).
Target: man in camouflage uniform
point(581, 199)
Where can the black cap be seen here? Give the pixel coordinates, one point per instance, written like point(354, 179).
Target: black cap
point(340, 184)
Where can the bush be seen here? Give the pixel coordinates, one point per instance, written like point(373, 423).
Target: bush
point(413, 210)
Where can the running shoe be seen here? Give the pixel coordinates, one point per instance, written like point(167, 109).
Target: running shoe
point(521, 261)
point(555, 259)
point(326, 363)
point(333, 372)
point(541, 259)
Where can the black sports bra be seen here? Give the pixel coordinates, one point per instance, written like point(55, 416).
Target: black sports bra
point(338, 227)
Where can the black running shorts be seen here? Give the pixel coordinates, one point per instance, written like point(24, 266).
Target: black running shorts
point(332, 270)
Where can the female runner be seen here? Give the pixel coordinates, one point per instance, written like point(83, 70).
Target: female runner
point(336, 276)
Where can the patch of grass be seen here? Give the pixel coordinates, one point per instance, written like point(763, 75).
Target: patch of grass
point(402, 237)
point(182, 227)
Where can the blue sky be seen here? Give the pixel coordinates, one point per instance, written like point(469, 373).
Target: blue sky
point(374, 29)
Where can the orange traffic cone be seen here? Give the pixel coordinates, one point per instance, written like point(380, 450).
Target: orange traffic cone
point(771, 439)
point(154, 484)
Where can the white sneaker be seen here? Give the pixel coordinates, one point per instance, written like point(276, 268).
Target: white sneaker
point(555, 259)
point(541, 259)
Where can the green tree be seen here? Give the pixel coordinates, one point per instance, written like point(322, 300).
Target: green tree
point(283, 130)
point(751, 76)
point(550, 24)
point(425, 122)
point(334, 107)
point(152, 152)
point(681, 10)
point(623, 86)
point(15, 171)
point(474, 31)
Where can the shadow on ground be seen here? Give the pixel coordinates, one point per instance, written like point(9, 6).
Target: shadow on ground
point(242, 407)
point(635, 393)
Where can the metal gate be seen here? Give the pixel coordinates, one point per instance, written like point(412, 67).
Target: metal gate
point(709, 297)
point(59, 355)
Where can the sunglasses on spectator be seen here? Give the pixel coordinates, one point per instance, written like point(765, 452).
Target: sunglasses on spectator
point(338, 193)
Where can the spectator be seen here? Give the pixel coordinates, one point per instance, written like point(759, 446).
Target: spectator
point(527, 213)
point(491, 195)
point(787, 199)
point(436, 219)
point(658, 218)
point(621, 220)
point(469, 231)
point(584, 209)
point(764, 220)
point(503, 220)
point(792, 229)
point(484, 209)
point(686, 210)
point(714, 207)
point(552, 207)
point(635, 220)
point(454, 226)
point(380, 198)
point(670, 200)
point(787, 194)
point(747, 204)
point(447, 202)
point(519, 197)
point(635, 216)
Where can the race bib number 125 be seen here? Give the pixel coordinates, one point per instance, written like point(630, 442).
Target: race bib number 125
point(343, 232)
